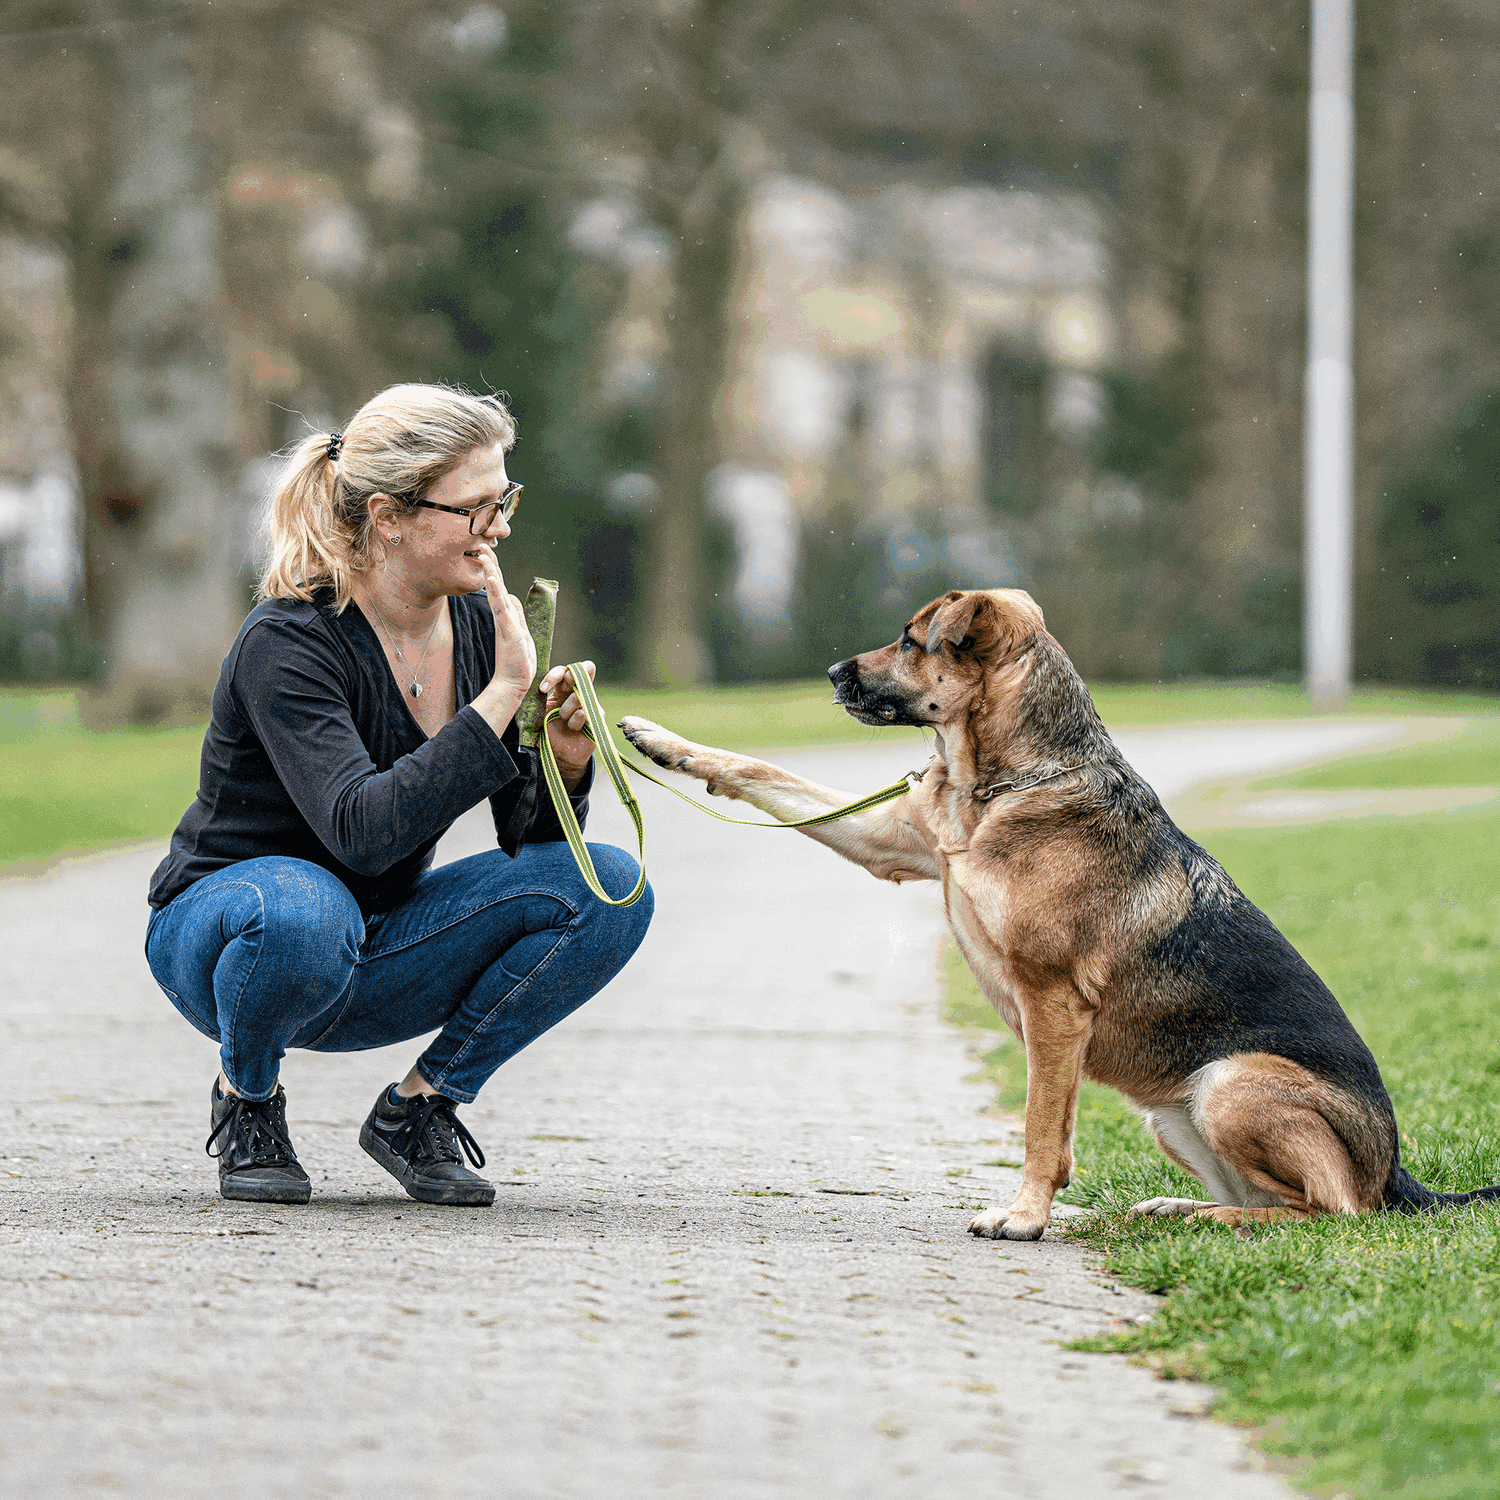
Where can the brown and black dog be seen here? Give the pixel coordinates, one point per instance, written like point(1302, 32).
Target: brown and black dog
point(1109, 941)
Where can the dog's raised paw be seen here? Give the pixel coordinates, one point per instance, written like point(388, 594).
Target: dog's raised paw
point(656, 743)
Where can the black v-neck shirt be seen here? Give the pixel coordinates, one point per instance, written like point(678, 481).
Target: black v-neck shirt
point(312, 753)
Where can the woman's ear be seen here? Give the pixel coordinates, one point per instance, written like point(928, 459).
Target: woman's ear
point(382, 512)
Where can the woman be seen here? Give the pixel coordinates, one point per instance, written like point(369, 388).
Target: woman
point(367, 702)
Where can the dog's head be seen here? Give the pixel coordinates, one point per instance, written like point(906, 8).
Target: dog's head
point(937, 670)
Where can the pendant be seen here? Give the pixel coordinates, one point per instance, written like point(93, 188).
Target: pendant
point(416, 690)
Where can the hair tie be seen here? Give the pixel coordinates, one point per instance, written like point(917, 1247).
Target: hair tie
point(335, 443)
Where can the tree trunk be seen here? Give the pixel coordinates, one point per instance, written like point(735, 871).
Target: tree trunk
point(156, 420)
point(672, 651)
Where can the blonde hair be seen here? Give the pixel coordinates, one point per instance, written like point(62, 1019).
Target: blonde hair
point(399, 443)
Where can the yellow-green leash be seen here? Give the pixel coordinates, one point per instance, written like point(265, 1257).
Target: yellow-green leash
point(615, 768)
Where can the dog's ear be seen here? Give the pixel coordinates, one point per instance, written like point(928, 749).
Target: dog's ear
point(953, 618)
point(982, 620)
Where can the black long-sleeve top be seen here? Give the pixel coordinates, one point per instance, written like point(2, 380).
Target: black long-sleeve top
point(312, 753)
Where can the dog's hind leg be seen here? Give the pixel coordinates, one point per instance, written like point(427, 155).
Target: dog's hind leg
point(1273, 1123)
point(1180, 1142)
point(1233, 1217)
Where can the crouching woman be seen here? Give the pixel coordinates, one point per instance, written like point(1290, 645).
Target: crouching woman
point(369, 699)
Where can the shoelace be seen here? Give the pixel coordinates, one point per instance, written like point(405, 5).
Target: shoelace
point(436, 1132)
point(257, 1126)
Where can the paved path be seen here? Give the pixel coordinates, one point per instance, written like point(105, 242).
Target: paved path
point(729, 1257)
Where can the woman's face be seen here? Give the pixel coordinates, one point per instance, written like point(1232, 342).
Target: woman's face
point(437, 555)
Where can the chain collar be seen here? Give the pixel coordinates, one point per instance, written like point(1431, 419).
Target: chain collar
point(985, 793)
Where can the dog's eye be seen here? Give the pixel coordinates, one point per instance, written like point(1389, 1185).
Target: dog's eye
point(907, 644)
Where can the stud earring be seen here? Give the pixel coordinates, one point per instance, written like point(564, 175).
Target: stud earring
point(394, 539)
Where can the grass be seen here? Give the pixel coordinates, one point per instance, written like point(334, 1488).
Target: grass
point(1366, 1346)
point(1122, 704)
point(801, 713)
point(1469, 758)
point(71, 793)
point(63, 790)
point(752, 716)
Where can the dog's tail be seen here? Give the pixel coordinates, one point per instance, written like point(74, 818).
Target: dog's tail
point(1406, 1195)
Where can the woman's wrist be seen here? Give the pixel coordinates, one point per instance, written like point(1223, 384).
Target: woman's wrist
point(497, 703)
point(573, 776)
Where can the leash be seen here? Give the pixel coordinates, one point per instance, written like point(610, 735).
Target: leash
point(615, 767)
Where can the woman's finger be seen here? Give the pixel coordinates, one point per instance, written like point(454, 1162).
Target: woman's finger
point(494, 579)
point(559, 674)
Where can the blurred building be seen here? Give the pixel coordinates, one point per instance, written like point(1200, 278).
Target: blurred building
point(918, 364)
point(38, 546)
point(38, 488)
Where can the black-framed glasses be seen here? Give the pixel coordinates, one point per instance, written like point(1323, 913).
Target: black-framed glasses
point(482, 517)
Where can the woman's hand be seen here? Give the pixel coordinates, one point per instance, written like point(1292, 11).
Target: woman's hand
point(515, 651)
point(572, 747)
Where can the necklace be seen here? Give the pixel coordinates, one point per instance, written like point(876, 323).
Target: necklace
point(416, 687)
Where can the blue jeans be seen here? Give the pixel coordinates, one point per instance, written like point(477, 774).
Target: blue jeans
point(273, 953)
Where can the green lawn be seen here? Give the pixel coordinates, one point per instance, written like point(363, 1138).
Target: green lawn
point(1367, 1346)
point(67, 793)
point(1469, 758)
point(801, 713)
point(64, 790)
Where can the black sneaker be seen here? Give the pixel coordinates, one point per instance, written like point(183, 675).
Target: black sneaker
point(255, 1155)
point(417, 1142)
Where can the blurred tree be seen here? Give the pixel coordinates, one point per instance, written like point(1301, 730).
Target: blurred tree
point(667, 83)
point(1435, 600)
point(478, 285)
point(1427, 340)
point(198, 166)
point(685, 104)
point(1206, 409)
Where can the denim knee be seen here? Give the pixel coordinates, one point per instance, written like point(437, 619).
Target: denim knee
point(618, 873)
point(311, 927)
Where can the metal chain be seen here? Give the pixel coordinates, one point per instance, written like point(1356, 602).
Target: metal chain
point(984, 794)
point(416, 687)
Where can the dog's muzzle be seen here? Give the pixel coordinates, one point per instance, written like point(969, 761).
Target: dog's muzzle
point(869, 708)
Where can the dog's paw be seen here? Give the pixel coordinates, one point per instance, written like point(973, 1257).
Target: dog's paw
point(1002, 1224)
point(1229, 1216)
point(658, 744)
point(1168, 1208)
point(1236, 1218)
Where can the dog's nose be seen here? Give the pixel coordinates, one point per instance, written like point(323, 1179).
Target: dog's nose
point(844, 669)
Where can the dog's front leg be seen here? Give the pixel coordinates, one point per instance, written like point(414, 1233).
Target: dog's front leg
point(1057, 1033)
point(881, 839)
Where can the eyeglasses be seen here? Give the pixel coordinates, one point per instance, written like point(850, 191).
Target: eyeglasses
point(482, 517)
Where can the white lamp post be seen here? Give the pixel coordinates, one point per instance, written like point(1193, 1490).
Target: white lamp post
point(1328, 449)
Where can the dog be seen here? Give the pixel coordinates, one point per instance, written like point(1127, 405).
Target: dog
point(1112, 944)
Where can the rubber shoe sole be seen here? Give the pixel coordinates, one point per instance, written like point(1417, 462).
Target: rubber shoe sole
point(466, 1194)
point(246, 1189)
